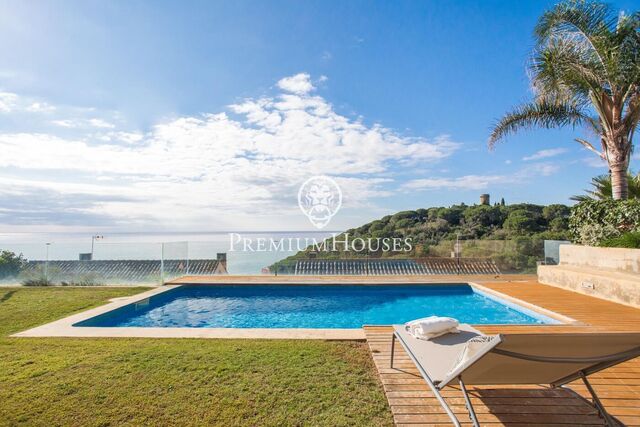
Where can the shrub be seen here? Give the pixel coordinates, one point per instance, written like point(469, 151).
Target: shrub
point(593, 234)
point(483, 215)
point(556, 211)
point(627, 240)
point(86, 279)
point(38, 281)
point(558, 224)
point(413, 215)
point(603, 219)
point(10, 264)
point(36, 276)
point(521, 222)
point(405, 223)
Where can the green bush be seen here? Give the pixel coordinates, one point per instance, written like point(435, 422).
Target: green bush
point(594, 234)
point(627, 240)
point(85, 279)
point(521, 222)
point(39, 276)
point(594, 221)
point(10, 264)
point(39, 281)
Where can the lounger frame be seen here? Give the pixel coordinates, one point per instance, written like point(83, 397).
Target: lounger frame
point(435, 387)
point(599, 363)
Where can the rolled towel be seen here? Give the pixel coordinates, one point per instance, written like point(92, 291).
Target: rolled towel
point(429, 336)
point(432, 327)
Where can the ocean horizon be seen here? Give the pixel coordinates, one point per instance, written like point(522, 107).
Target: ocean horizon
point(37, 246)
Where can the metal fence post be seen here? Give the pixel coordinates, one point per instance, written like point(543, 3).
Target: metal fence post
point(162, 263)
point(46, 263)
point(187, 258)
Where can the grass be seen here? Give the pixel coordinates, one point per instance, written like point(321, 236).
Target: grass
point(114, 381)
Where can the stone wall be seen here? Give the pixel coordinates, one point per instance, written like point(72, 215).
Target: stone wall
point(610, 273)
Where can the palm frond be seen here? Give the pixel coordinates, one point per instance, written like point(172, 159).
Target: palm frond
point(589, 146)
point(591, 18)
point(627, 56)
point(588, 25)
point(585, 69)
point(539, 114)
point(559, 72)
point(632, 116)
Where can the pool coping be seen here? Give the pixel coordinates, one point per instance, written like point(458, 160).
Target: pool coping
point(65, 327)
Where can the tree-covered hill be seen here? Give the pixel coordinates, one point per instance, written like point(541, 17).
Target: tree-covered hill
point(512, 235)
point(498, 222)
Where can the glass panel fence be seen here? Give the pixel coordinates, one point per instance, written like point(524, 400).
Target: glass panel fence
point(471, 257)
point(552, 251)
point(97, 262)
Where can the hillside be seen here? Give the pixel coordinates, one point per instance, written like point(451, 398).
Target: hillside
point(512, 235)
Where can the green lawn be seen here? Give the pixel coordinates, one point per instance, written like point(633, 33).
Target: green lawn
point(113, 381)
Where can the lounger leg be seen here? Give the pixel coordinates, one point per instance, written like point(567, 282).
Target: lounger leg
point(607, 418)
point(425, 376)
point(393, 347)
point(441, 400)
point(467, 401)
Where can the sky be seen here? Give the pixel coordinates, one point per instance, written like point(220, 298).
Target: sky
point(141, 116)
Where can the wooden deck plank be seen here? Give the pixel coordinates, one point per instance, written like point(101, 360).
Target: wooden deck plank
point(413, 404)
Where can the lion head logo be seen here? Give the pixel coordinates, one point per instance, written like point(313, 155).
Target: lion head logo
point(320, 199)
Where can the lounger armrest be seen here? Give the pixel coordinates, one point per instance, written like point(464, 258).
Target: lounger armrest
point(458, 370)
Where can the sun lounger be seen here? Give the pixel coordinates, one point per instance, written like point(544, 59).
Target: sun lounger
point(554, 359)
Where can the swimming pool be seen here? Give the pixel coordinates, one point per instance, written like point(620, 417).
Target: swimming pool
point(304, 306)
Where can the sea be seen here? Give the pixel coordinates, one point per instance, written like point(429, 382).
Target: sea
point(242, 258)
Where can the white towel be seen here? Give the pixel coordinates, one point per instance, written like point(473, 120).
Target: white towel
point(428, 336)
point(432, 327)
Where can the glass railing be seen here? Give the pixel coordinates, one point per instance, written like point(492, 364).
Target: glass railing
point(552, 251)
point(154, 263)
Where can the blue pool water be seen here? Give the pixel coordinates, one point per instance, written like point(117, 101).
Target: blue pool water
point(269, 306)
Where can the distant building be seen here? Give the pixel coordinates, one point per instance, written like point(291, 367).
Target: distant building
point(485, 199)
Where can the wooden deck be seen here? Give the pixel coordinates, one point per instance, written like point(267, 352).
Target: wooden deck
point(413, 404)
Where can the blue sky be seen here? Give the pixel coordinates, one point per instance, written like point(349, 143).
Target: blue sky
point(158, 115)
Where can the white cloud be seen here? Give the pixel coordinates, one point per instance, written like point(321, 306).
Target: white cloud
point(467, 182)
point(595, 161)
point(83, 123)
point(207, 168)
point(545, 154)
point(481, 182)
point(127, 137)
point(40, 107)
point(12, 102)
point(539, 169)
point(65, 123)
point(100, 123)
point(299, 84)
point(8, 101)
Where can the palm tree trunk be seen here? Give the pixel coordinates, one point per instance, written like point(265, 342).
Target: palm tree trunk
point(619, 182)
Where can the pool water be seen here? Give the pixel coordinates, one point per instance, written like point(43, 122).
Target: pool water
point(337, 306)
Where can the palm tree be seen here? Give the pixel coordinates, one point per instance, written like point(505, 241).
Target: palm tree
point(602, 188)
point(585, 70)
